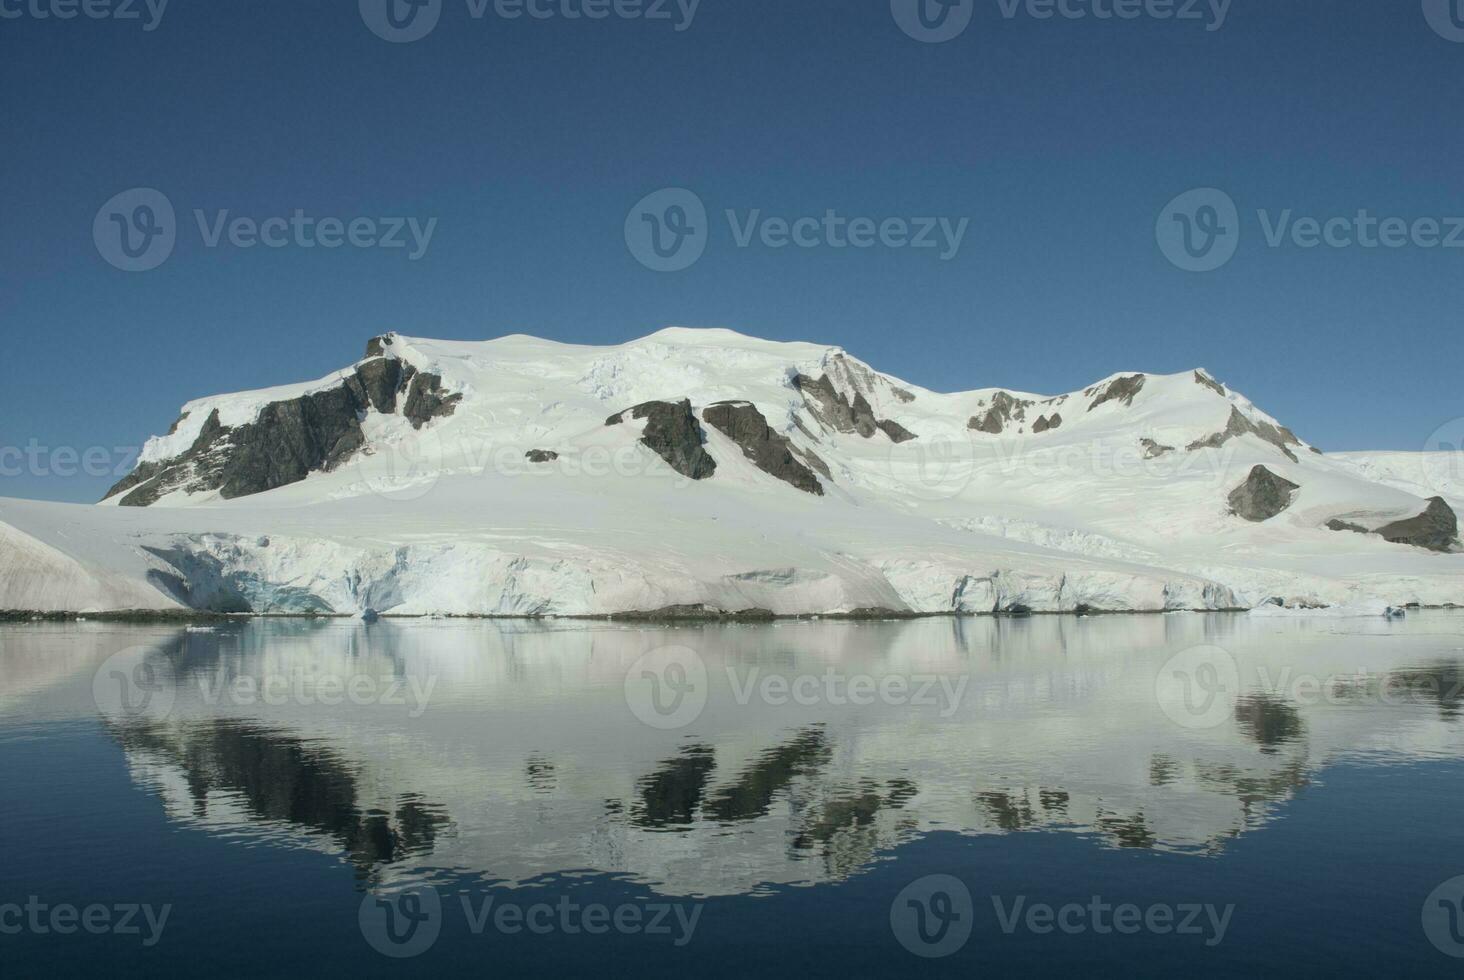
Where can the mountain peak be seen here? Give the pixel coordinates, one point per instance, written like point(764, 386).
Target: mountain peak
point(736, 473)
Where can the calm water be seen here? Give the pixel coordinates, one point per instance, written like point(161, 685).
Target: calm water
point(1124, 795)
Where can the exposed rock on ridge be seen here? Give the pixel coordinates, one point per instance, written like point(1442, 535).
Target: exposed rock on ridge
point(288, 440)
point(1203, 379)
point(672, 433)
point(1436, 529)
point(834, 409)
point(1005, 408)
point(1119, 389)
point(1238, 425)
point(1153, 449)
point(1262, 496)
point(768, 450)
point(1044, 423)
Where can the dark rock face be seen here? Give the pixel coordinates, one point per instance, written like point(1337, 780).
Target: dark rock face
point(291, 439)
point(694, 612)
point(377, 381)
point(541, 456)
point(1238, 425)
point(990, 423)
point(835, 410)
point(427, 400)
point(1119, 389)
point(872, 612)
point(1262, 496)
point(1153, 450)
point(1045, 424)
point(149, 481)
point(376, 346)
point(1004, 409)
point(1436, 529)
point(288, 440)
point(897, 432)
point(768, 450)
point(672, 433)
point(1201, 378)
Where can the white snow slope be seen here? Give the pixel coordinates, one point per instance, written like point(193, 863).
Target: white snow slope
point(451, 518)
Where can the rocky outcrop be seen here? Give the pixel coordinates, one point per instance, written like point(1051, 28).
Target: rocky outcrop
point(831, 407)
point(428, 400)
point(1119, 389)
point(1153, 450)
point(672, 433)
point(1204, 380)
point(1004, 410)
point(292, 438)
point(1046, 424)
point(289, 440)
point(541, 456)
point(897, 432)
point(1238, 425)
point(190, 471)
point(834, 409)
point(1436, 529)
point(1262, 496)
point(768, 450)
point(990, 423)
point(694, 612)
point(377, 382)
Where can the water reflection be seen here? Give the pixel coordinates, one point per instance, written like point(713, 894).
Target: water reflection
point(805, 754)
point(1269, 721)
point(1441, 682)
point(521, 758)
point(672, 794)
point(232, 770)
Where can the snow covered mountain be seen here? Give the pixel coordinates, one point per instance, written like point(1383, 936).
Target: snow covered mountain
point(702, 470)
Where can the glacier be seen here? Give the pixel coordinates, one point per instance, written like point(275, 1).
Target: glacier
point(508, 478)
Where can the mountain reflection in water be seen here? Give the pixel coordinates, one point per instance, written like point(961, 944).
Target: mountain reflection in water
point(518, 755)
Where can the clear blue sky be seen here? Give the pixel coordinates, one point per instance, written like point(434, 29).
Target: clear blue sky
point(530, 140)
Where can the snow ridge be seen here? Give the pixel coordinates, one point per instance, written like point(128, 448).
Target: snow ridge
point(508, 494)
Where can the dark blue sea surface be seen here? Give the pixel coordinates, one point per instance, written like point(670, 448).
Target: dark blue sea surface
point(1136, 796)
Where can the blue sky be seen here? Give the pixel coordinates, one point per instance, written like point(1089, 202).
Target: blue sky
point(1059, 141)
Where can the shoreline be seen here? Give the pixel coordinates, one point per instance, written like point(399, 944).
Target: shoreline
point(652, 617)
